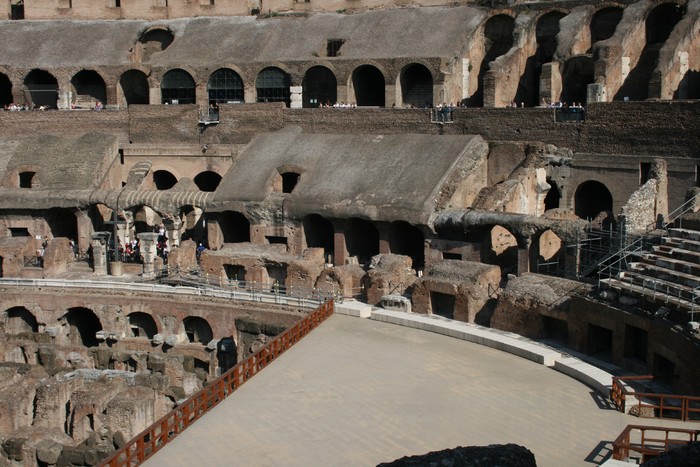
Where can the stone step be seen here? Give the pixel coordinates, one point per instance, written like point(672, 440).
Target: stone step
point(670, 263)
point(659, 286)
point(682, 243)
point(677, 253)
point(660, 299)
point(685, 234)
point(665, 274)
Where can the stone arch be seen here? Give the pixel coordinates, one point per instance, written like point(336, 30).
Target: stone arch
point(368, 85)
point(153, 40)
point(83, 325)
point(225, 86)
point(42, 89)
point(406, 239)
point(133, 88)
point(235, 227)
point(361, 239)
point(319, 87)
point(197, 329)
point(5, 90)
point(89, 88)
point(207, 180)
point(319, 233)
point(192, 223)
point(178, 87)
point(500, 247)
point(62, 222)
point(272, 85)
point(553, 197)
point(592, 198)
point(658, 26)
point(416, 84)
point(164, 180)
point(689, 86)
point(550, 252)
point(604, 22)
point(142, 325)
point(145, 219)
point(498, 40)
point(577, 74)
point(19, 319)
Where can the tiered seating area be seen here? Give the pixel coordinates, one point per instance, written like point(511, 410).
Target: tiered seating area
point(668, 275)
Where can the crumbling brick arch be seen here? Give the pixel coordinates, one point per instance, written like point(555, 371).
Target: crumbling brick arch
point(88, 88)
point(82, 326)
point(146, 219)
point(500, 247)
point(604, 23)
point(133, 87)
point(415, 85)
point(498, 39)
point(197, 329)
point(319, 86)
point(41, 89)
point(367, 84)
point(142, 325)
point(547, 252)
point(152, 40)
point(19, 319)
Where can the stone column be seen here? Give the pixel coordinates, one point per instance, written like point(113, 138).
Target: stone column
point(524, 256)
point(147, 242)
point(339, 247)
point(172, 229)
point(84, 230)
point(124, 229)
point(384, 242)
point(215, 237)
point(295, 96)
point(100, 244)
point(154, 95)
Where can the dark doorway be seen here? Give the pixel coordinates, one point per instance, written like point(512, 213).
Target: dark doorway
point(89, 89)
point(235, 228)
point(636, 342)
point(319, 234)
point(604, 23)
point(83, 326)
point(235, 272)
point(368, 83)
point(134, 85)
point(142, 325)
point(361, 239)
point(319, 87)
point(555, 329)
point(498, 39)
point(18, 319)
point(198, 330)
point(417, 86)
point(405, 239)
point(207, 181)
point(62, 223)
point(578, 73)
point(443, 304)
point(591, 199)
point(5, 90)
point(551, 201)
point(600, 342)
point(43, 89)
point(164, 180)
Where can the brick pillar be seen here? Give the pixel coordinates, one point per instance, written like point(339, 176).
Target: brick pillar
point(524, 255)
point(100, 244)
point(384, 234)
point(339, 247)
point(84, 230)
point(148, 241)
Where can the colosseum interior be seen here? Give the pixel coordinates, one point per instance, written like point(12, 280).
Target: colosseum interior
point(526, 166)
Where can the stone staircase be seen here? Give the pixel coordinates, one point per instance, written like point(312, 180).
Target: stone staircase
point(668, 275)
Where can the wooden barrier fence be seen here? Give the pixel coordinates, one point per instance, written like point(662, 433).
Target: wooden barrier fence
point(653, 405)
point(644, 441)
point(153, 438)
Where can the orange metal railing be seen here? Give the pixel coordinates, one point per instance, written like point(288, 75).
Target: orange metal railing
point(650, 441)
point(153, 438)
point(652, 405)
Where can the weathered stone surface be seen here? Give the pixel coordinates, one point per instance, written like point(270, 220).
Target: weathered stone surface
point(48, 452)
point(504, 455)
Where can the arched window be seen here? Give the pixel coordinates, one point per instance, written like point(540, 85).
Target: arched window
point(83, 326)
point(43, 88)
point(178, 88)
point(225, 86)
point(289, 181)
point(591, 199)
point(207, 181)
point(5, 90)
point(153, 41)
point(417, 86)
point(198, 330)
point(134, 87)
point(368, 83)
point(142, 325)
point(320, 87)
point(164, 180)
point(604, 23)
point(272, 85)
point(89, 89)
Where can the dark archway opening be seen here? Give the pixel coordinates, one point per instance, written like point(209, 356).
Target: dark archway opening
point(235, 228)
point(600, 342)
point(546, 36)
point(89, 89)
point(604, 23)
point(689, 87)
point(177, 87)
point(62, 223)
point(153, 41)
point(289, 181)
point(636, 343)
point(498, 39)
point(5, 90)
point(225, 87)
point(207, 181)
point(368, 83)
point(83, 326)
point(198, 330)
point(361, 239)
point(43, 89)
point(272, 85)
point(551, 201)
point(142, 325)
point(442, 304)
point(550, 254)
point(578, 73)
point(26, 179)
point(320, 87)
point(500, 247)
point(405, 239)
point(592, 198)
point(417, 86)
point(319, 232)
point(134, 86)
point(18, 319)
point(659, 24)
point(163, 180)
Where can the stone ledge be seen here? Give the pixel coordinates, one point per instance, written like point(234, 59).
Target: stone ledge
point(515, 344)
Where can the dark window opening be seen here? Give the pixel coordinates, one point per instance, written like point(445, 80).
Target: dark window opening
point(361, 239)
point(368, 83)
point(26, 179)
point(178, 87)
point(142, 325)
point(446, 255)
point(333, 47)
point(89, 89)
point(551, 201)
point(319, 233)
point(604, 23)
point(406, 239)
point(121, 156)
point(319, 87)
point(417, 86)
point(43, 89)
point(163, 180)
point(235, 228)
point(277, 274)
point(19, 232)
point(5, 90)
point(289, 181)
point(636, 343)
point(555, 329)
point(592, 198)
point(134, 86)
point(83, 326)
point(225, 86)
point(664, 369)
point(578, 73)
point(644, 169)
point(198, 330)
point(443, 304)
point(234, 272)
point(599, 342)
point(207, 181)
point(272, 85)
point(697, 175)
point(276, 240)
point(17, 10)
point(498, 35)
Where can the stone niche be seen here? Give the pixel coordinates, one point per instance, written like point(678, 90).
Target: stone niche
point(457, 290)
point(344, 280)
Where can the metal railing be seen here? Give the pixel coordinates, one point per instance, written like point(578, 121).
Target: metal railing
point(644, 441)
point(156, 436)
point(441, 115)
point(33, 262)
point(653, 405)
